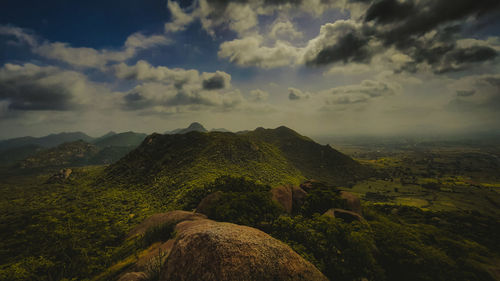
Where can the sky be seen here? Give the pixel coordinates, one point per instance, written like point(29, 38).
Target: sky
point(321, 67)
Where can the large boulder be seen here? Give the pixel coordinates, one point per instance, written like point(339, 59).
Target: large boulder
point(353, 202)
point(172, 217)
point(206, 203)
point(283, 195)
point(208, 250)
point(60, 177)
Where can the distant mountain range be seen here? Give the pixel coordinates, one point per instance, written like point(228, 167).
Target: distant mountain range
point(51, 140)
point(74, 149)
point(190, 156)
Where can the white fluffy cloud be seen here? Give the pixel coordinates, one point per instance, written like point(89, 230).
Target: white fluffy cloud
point(284, 29)
point(84, 56)
point(249, 51)
point(90, 57)
point(258, 95)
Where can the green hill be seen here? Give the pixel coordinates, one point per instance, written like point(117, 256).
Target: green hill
point(122, 139)
point(71, 154)
point(177, 163)
point(77, 153)
point(312, 159)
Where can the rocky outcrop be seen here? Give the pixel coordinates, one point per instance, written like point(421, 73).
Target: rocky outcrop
point(60, 177)
point(206, 203)
point(346, 215)
point(352, 202)
point(172, 217)
point(283, 195)
point(208, 250)
point(133, 276)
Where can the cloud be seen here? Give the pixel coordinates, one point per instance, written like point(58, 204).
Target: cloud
point(90, 57)
point(284, 29)
point(180, 19)
point(216, 81)
point(341, 41)
point(477, 94)
point(143, 71)
point(21, 35)
point(153, 97)
point(296, 94)
point(258, 95)
point(166, 90)
point(464, 93)
point(363, 92)
point(249, 51)
point(84, 56)
point(30, 87)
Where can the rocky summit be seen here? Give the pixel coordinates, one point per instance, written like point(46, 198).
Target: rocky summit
point(209, 250)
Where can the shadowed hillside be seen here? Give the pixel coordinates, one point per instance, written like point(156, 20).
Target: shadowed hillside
point(312, 159)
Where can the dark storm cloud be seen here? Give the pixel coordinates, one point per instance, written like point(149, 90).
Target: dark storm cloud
point(31, 90)
point(349, 48)
point(389, 11)
point(215, 82)
point(402, 24)
point(32, 96)
point(423, 16)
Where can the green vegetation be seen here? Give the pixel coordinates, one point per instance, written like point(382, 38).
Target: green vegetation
point(127, 139)
point(72, 230)
point(395, 243)
point(423, 219)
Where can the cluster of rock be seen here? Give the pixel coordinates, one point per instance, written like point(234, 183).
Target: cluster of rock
point(292, 197)
point(60, 177)
point(204, 249)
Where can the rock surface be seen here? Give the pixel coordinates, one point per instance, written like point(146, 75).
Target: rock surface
point(133, 276)
point(283, 195)
point(60, 177)
point(353, 202)
point(206, 203)
point(208, 250)
point(173, 217)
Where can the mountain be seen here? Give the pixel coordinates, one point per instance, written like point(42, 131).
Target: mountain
point(197, 157)
point(194, 127)
point(315, 161)
point(105, 136)
point(77, 153)
point(16, 154)
point(121, 140)
point(51, 140)
point(223, 130)
point(278, 156)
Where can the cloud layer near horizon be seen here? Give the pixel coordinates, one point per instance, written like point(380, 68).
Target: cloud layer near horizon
point(322, 67)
